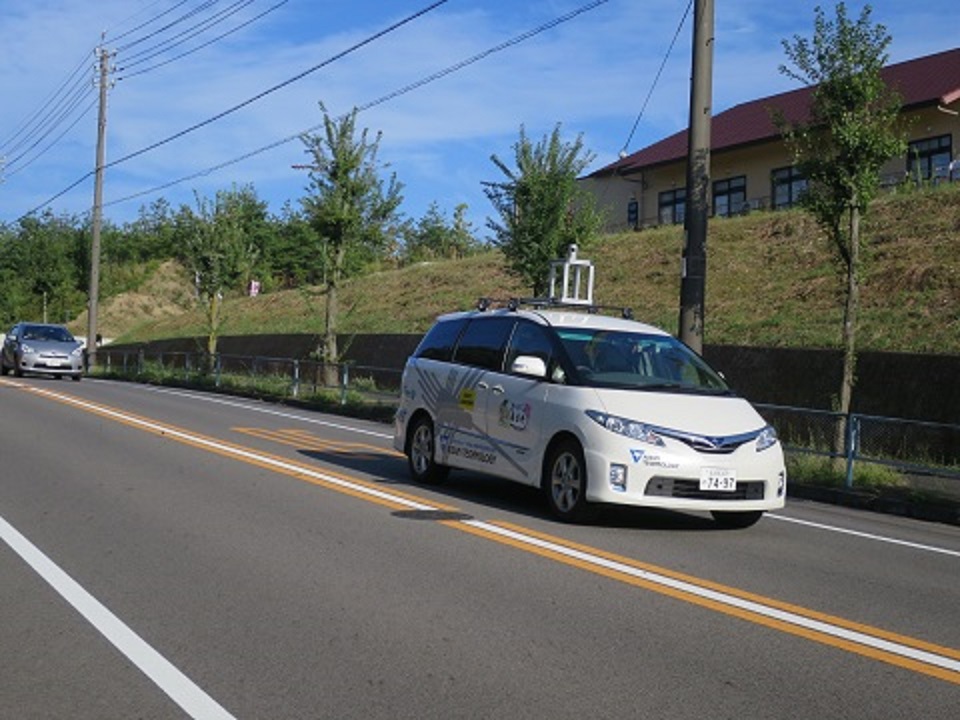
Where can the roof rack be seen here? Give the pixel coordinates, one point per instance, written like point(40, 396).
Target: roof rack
point(548, 303)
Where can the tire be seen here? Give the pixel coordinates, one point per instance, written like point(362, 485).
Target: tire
point(76, 378)
point(421, 453)
point(736, 520)
point(3, 368)
point(564, 483)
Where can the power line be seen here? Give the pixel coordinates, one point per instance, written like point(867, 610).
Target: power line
point(186, 16)
point(279, 86)
point(152, 20)
point(366, 106)
point(656, 78)
point(45, 108)
point(253, 99)
point(202, 45)
point(63, 118)
point(186, 34)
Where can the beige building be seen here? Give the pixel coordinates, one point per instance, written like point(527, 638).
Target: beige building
point(750, 166)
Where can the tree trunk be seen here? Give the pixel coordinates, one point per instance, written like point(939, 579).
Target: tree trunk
point(850, 311)
point(330, 353)
point(213, 328)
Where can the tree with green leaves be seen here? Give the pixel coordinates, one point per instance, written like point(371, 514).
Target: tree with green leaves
point(218, 251)
point(853, 130)
point(542, 210)
point(350, 208)
point(434, 237)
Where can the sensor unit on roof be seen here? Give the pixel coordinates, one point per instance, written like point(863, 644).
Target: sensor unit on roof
point(577, 279)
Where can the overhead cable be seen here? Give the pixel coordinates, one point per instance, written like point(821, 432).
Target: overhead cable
point(366, 106)
point(656, 79)
point(249, 101)
point(128, 75)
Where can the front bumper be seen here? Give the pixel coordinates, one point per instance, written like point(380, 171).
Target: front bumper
point(44, 364)
point(670, 477)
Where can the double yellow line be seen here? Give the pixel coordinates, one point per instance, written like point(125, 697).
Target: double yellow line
point(899, 650)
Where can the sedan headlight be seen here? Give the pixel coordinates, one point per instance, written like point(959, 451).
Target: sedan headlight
point(24, 348)
point(628, 428)
point(77, 352)
point(766, 438)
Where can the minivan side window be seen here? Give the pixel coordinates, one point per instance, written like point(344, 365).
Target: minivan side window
point(530, 339)
point(438, 343)
point(483, 342)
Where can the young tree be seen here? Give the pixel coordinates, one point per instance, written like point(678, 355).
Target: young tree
point(852, 132)
point(349, 208)
point(219, 253)
point(542, 210)
point(434, 237)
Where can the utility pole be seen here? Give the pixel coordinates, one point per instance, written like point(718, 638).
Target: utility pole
point(694, 262)
point(94, 290)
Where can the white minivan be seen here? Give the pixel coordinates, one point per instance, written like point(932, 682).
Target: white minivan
point(589, 408)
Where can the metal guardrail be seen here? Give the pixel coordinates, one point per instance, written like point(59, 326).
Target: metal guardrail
point(285, 377)
point(917, 449)
point(913, 447)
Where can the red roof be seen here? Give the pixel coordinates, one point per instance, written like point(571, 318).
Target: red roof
point(930, 80)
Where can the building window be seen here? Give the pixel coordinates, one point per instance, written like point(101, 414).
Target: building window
point(787, 187)
point(729, 196)
point(929, 159)
point(673, 206)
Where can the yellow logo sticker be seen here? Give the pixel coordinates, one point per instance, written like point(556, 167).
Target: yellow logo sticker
point(468, 398)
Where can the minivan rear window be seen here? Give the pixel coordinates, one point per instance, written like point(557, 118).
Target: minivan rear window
point(438, 343)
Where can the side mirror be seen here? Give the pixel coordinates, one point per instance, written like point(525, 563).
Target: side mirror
point(529, 365)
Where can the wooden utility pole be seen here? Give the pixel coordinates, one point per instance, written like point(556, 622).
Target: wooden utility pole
point(94, 290)
point(694, 262)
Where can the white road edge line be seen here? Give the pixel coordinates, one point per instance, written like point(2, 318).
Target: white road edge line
point(596, 560)
point(181, 689)
point(866, 535)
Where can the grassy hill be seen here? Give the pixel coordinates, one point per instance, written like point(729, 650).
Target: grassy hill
point(772, 281)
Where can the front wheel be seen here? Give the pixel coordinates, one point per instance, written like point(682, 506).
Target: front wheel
point(421, 453)
point(565, 483)
point(736, 520)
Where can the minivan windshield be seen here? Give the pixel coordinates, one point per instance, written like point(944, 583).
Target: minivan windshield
point(606, 358)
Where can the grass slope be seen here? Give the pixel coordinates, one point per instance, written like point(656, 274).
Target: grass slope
point(772, 281)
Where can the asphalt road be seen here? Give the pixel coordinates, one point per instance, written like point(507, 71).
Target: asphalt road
point(168, 554)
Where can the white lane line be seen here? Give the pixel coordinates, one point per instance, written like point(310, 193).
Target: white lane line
point(865, 535)
point(728, 599)
point(181, 689)
point(268, 411)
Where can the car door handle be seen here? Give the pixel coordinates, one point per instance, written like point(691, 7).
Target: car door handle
point(498, 389)
point(482, 385)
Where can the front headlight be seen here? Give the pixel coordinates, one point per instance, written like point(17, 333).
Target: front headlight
point(77, 352)
point(24, 348)
point(626, 427)
point(766, 438)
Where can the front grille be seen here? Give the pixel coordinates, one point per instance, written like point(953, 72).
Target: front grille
point(690, 490)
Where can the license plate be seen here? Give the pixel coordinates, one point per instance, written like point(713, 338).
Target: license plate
point(721, 479)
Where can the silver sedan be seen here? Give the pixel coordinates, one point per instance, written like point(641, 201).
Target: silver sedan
point(42, 349)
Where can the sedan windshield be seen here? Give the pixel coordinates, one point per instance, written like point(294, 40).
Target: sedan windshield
point(50, 333)
point(606, 358)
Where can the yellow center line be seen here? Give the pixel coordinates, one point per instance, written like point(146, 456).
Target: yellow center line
point(888, 647)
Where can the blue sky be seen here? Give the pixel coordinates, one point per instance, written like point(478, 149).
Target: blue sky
point(591, 74)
